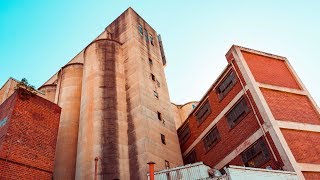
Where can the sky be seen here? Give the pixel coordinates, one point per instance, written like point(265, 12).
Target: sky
point(38, 37)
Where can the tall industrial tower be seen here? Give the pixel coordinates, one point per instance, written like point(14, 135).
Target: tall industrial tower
point(116, 112)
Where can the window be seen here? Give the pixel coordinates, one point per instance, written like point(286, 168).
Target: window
point(167, 164)
point(237, 113)
point(151, 39)
point(211, 139)
point(193, 106)
point(140, 30)
point(226, 85)
point(150, 61)
point(155, 94)
point(158, 83)
point(159, 116)
point(184, 133)
point(256, 155)
point(146, 35)
point(203, 112)
point(153, 77)
point(163, 139)
point(190, 158)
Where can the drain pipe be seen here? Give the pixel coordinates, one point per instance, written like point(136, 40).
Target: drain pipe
point(254, 112)
point(96, 168)
point(151, 169)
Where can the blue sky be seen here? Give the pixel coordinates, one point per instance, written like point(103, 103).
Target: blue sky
point(38, 37)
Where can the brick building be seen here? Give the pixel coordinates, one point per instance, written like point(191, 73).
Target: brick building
point(28, 133)
point(258, 114)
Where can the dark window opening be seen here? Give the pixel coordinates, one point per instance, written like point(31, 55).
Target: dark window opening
point(211, 139)
point(153, 77)
point(190, 158)
point(163, 139)
point(140, 30)
point(256, 155)
point(237, 113)
point(155, 94)
point(146, 35)
point(203, 112)
point(167, 164)
point(159, 116)
point(226, 85)
point(158, 83)
point(184, 133)
point(150, 61)
point(151, 39)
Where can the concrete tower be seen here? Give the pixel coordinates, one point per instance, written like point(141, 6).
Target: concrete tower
point(115, 103)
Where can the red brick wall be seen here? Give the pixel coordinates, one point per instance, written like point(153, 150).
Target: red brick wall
point(270, 70)
point(272, 162)
point(6, 109)
point(304, 145)
point(16, 171)
point(291, 107)
point(216, 108)
point(230, 139)
point(31, 136)
point(311, 175)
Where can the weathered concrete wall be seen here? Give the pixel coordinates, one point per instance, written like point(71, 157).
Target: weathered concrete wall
point(118, 124)
point(103, 125)
point(7, 89)
point(68, 98)
point(49, 92)
point(181, 112)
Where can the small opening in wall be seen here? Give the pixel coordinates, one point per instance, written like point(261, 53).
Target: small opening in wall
point(163, 139)
point(155, 94)
point(159, 116)
point(153, 77)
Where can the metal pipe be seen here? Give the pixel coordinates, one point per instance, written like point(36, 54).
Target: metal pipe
point(96, 168)
point(151, 169)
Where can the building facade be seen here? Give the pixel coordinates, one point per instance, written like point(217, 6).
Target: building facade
point(257, 114)
point(116, 112)
point(28, 133)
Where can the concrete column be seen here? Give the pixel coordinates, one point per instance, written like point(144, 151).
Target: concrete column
point(103, 117)
point(69, 98)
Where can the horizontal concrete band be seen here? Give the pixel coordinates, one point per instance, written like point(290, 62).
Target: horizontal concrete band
point(309, 167)
point(214, 122)
point(283, 89)
point(298, 126)
point(244, 145)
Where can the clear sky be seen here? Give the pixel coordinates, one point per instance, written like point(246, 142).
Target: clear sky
point(37, 37)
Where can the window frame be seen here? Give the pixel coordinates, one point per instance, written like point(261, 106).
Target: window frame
point(183, 139)
point(140, 29)
point(241, 116)
point(151, 39)
point(228, 87)
point(167, 164)
point(205, 114)
point(258, 148)
point(216, 138)
point(192, 154)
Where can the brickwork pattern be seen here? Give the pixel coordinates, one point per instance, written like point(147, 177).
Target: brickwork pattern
point(270, 71)
point(31, 135)
point(304, 145)
point(291, 107)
